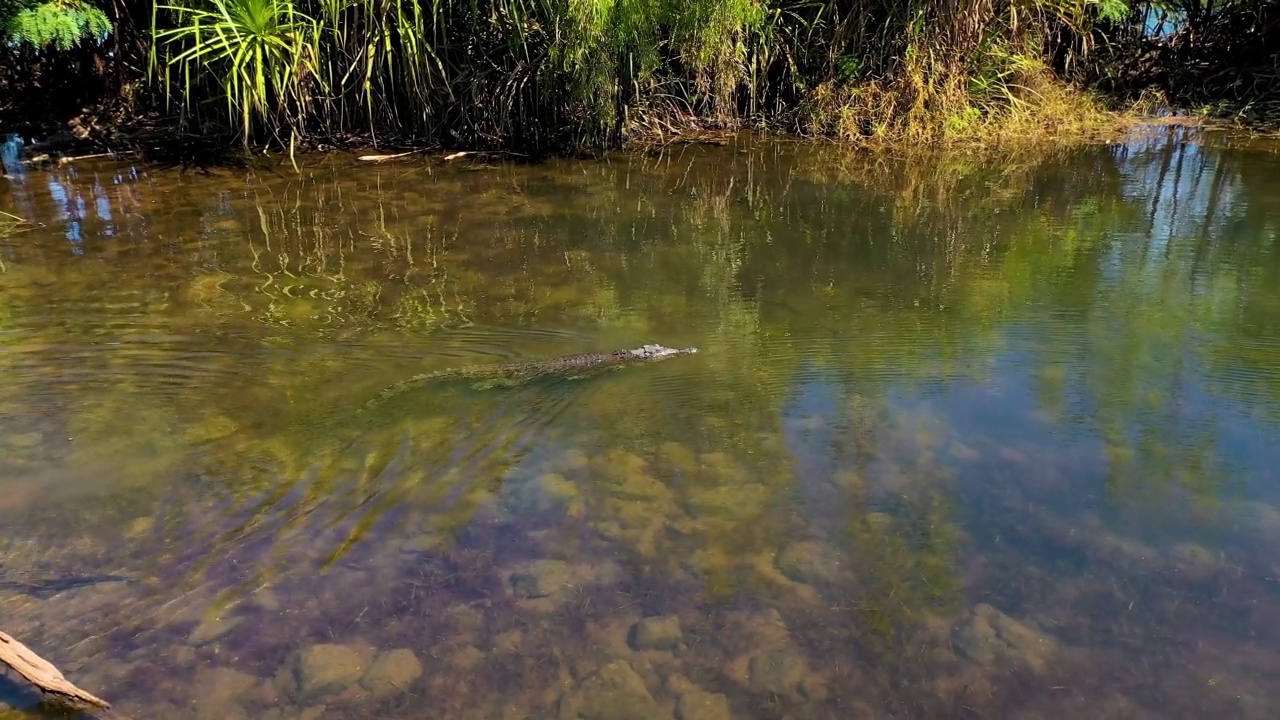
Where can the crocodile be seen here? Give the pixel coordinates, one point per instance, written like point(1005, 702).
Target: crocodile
point(569, 367)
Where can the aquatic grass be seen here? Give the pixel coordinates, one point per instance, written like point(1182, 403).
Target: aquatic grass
point(10, 225)
point(9, 221)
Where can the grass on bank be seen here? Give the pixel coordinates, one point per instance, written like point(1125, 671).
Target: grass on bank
point(566, 74)
point(573, 73)
point(596, 72)
point(1019, 100)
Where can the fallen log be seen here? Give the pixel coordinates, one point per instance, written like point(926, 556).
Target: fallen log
point(43, 674)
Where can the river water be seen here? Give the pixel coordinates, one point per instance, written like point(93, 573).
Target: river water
point(963, 438)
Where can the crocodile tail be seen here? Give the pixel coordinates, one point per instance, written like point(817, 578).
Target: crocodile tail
point(393, 390)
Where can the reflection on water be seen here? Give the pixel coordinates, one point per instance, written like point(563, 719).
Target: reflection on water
point(970, 440)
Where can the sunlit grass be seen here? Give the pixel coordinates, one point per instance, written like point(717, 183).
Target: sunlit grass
point(1002, 97)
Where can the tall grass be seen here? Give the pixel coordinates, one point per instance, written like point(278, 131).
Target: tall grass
point(961, 70)
point(554, 72)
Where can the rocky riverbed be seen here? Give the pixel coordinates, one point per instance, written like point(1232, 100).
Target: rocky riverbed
point(595, 588)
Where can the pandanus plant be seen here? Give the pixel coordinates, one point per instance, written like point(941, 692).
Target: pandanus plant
point(265, 53)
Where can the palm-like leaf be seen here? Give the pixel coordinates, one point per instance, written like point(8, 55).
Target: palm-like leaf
point(264, 50)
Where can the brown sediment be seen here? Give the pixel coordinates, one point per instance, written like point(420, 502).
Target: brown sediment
point(42, 673)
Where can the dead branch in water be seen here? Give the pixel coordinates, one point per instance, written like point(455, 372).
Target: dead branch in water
point(42, 673)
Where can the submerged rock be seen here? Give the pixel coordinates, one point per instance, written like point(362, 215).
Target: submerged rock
point(210, 429)
point(329, 668)
point(724, 468)
point(641, 488)
point(680, 459)
point(996, 640)
point(618, 463)
point(677, 684)
point(214, 628)
point(265, 693)
point(1194, 562)
point(223, 690)
point(549, 492)
point(603, 573)
point(609, 637)
point(510, 641)
point(466, 657)
point(628, 478)
point(781, 672)
point(773, 664)
point(393, 672)
point(615, 692)
point(466, 619)
point(657, 633)
point(697, 705)
point(574, 460)
point(963, 452)
point(181, 656)
point(729, 501)
point(809, 562)
point(763, 629)
point(315, 712)
point(540, 578)
point(545, 585)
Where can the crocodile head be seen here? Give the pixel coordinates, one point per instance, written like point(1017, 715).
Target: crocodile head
point(654, 352)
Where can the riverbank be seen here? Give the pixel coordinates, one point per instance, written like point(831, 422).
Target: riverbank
point(823, 123)
point(541, 79)
point(552, 79)
point(871, 117)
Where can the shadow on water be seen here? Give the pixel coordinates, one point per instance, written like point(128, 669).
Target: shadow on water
point(982, 438)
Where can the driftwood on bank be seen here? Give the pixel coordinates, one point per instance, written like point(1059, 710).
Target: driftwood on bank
point(384, 158)
point(447, 158)
point(42, 673)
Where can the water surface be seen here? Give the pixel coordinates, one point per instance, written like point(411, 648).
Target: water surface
point(962, 438)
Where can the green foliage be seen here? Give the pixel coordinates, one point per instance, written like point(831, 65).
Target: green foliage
point(263, 50)
point(715, 39)
point(486, 71)
point(58, 24)
point(9, 225)
point(603, 39)
point(1111, 10)
point(569, 72)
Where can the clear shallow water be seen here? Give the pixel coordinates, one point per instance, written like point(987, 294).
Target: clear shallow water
point(961, 440)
